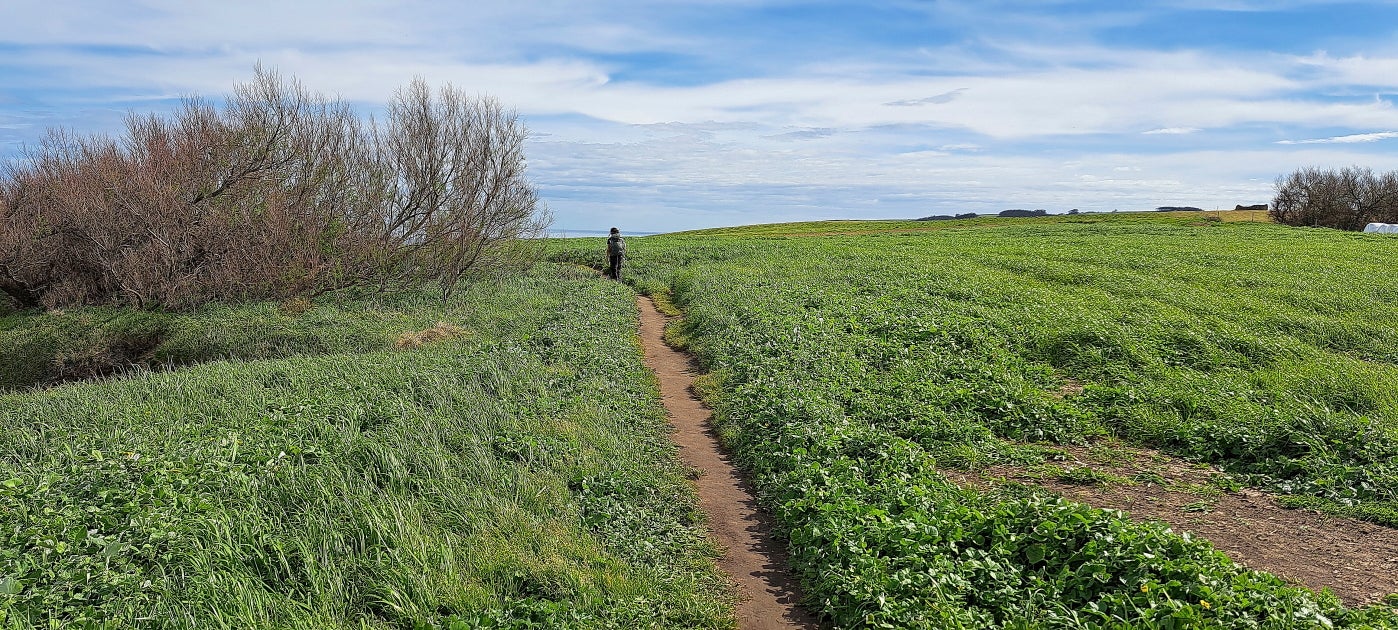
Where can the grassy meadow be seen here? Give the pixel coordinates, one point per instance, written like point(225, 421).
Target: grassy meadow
point(501, 459)
point(850, 362)
point(507, 466)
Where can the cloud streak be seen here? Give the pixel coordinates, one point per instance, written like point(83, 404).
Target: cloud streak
point(1348, 139)
point(940, 99)
point(1171, 131)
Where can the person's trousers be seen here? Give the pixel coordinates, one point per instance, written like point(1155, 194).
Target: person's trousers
point(614, 270)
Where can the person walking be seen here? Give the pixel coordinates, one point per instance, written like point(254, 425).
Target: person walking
point(616, 253)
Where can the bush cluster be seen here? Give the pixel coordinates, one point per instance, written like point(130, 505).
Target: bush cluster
point(1347, 199)
point(279, 192)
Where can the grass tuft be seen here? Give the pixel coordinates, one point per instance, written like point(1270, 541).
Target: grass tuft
point(442, 331)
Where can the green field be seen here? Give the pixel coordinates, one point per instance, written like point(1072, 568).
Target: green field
point(289, 465)
point(847, 370)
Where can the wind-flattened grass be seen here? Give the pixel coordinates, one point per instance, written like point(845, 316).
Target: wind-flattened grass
point(520, 475)
point(38, 349)
point(855, 366)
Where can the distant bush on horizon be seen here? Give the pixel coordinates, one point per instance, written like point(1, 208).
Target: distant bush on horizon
point(949, 217)
point(1023, 213)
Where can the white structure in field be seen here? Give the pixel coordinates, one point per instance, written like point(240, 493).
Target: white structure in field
point(1382, 228)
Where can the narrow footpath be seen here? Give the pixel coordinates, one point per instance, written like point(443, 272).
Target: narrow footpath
point(767, 592)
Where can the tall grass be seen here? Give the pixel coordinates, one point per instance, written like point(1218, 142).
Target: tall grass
point(516, 475)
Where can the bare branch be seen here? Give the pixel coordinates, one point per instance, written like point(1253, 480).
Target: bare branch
point(283, 192)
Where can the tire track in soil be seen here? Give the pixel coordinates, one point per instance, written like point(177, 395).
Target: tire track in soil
point(752, 558)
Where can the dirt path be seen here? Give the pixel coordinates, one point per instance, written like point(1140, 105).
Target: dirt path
point(767, 592)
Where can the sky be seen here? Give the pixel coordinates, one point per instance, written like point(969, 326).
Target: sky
point(666, 115)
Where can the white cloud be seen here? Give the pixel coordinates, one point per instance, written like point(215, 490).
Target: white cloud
point(986, 120)
point(1356, 70)
point(1349, 139)
point(939, 99)
point(702, 179)
point(365, 51)
point(813, 133)
point(489, 32)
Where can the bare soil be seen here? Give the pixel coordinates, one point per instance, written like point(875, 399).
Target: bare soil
point(1356, 560)
point(756, 562)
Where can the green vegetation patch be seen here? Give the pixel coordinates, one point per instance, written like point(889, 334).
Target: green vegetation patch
point(854, 367)
point(519, 476)
point(43, 348)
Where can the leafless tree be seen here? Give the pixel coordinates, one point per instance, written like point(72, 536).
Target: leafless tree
point(281, 193)
point(1346, 199)
point(460, 202)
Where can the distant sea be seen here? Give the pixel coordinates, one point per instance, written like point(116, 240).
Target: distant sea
point(561, 233)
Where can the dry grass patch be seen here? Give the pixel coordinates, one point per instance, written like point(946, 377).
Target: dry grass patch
point(294, 306)
point(418, 338)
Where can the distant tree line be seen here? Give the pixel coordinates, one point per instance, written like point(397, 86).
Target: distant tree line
point(1023, 213)
point(949, 217)
point(279, 193)
point(1002, 213)
point(1345, 199)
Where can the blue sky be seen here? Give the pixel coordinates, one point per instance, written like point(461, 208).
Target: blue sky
point(667, 115)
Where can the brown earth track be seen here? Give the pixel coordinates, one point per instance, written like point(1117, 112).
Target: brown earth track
point(756, 562)
point(1356, 560)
